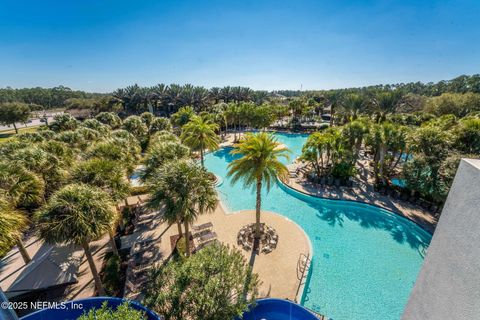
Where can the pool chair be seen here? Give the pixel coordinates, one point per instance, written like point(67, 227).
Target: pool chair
point(246, 246)
point(204, 226)
point(267, 249)
point(208, 236)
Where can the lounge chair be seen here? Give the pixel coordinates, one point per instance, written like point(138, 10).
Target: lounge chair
point(266, 249)
point(204, 226)
point(208, 236)
point(205, 244)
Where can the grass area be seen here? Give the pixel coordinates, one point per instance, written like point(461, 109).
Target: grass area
point(9, 134)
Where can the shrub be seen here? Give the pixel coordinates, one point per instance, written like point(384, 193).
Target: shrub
point(216, 283)
point(123, 311)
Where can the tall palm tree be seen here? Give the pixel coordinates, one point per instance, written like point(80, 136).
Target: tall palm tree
point(200, 134)
point(186, 191)
point(20, 189)
point(386, 140)
point(351, 105)
point(45, 164)
point(385, 103)
point(161, 152)
point(110, 177)
point(78, 214)
point(215, 94)
point(233, 116)
point(259, 165)
point(355, 132)
point(333, 99)
point(122, 147)
point(12, 225)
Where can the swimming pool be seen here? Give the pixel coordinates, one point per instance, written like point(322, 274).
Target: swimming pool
point(365, 259)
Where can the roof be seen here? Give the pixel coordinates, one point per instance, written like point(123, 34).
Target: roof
point(53, 266)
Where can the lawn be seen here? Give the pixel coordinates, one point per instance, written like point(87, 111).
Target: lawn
point(8, 134)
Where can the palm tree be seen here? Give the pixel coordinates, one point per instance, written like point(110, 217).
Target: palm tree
point(110, 177)
point(355, 132)
point(123, 148)
point(351, 105)
point(199, 134)
point(215, 94)
point(45, 164)
point(20, 189)
point(233, 116)
point(386, 103)
point(259, 165)
point(78, 214)
point(159, 153)
point(186, 190)
point(135, 126)
point(333, 99)
point(12, 225)
point(182, 116)
point(386, 140)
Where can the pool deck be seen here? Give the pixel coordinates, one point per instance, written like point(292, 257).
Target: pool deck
point(364, 193)
point(277, 270)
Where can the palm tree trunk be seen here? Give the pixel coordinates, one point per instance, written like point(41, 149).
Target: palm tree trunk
point(187, 239)
point(91, 263)
point(201, 156)
point(332, 112)
point(226, 127)
point(234, 130)
point(112, 243)
point(358, 146)
point(321, 162)
point(23, 251)
point(317, 169)
point(258, 208)
point(398, 160)
point(179, 227)
point(14, 126)
point(381, 162)
point(120, 217)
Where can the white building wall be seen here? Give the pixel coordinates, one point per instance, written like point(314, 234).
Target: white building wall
point(448, 285)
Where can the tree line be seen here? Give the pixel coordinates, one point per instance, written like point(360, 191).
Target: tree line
point(169, 98)
point(460, 84)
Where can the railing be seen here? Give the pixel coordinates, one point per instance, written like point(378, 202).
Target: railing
point(422, 249)
point(303, 264)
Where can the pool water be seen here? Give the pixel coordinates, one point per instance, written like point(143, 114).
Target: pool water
point(399, 182)
point(365, 259)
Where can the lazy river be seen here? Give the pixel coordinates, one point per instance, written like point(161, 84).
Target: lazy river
point(365, 259)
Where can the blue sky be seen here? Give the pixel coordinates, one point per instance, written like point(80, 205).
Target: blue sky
point(100, 45)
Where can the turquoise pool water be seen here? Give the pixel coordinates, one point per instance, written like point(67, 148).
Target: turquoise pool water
point(365, 259)
point(399, 182)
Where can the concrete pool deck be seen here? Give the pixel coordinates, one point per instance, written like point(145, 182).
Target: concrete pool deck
point(277, 270)
point(365, 194)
